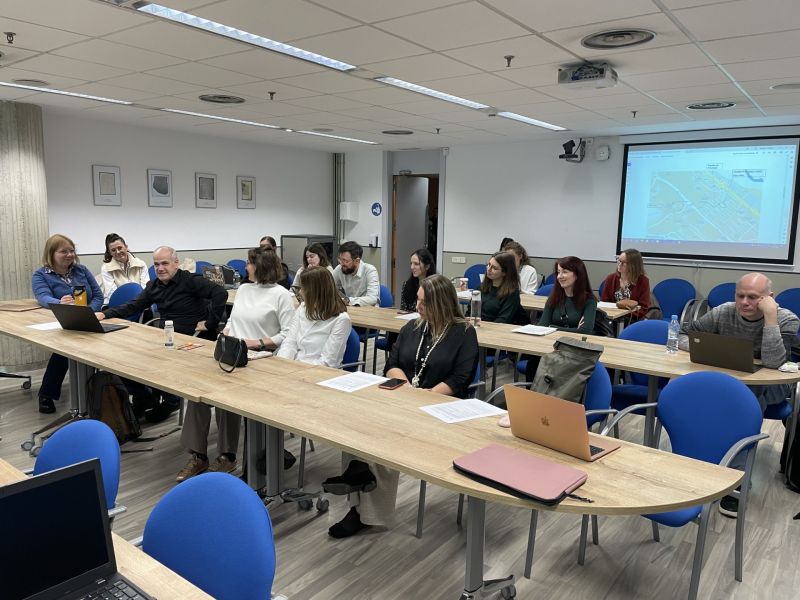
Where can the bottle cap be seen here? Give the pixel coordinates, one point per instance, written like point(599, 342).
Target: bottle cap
point(167, 323)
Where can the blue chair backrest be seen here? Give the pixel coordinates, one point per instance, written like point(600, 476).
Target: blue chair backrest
point(720, 294)
point(652, 331)
point(216, 532)
point(705, 413)
point(198, 266)
point(386, 298)
point(790, 299)
point(239, 265)
point(151, 271)
point(79, 441)
point(290, 278)
point(672, 296)
point(601, 288)
point(352, 351)
point(124, 294)
point(598, 393)
point(544, 290)
point(551, 279)
point(473, 274)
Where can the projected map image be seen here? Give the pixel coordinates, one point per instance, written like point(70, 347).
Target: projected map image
point(708, 205)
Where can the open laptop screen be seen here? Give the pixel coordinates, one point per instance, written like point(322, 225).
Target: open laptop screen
point(54, 533)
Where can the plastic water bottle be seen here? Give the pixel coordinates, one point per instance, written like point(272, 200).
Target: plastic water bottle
point(237, 279)
point(672, 335)
point(169, 335)
point(475, 308)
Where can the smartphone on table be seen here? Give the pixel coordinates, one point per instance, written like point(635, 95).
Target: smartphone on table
point(391, 384)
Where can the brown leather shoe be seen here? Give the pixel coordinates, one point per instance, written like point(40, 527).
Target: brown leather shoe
point(195, 466)
point(222, 465)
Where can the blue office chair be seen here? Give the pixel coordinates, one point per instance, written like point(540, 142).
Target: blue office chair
point(473, 274)
point(544, 290)
point(674, 297)
point(711, 417)
point(790, 299)
point(198, 266)
point(601, 288)
point(83, 440)
point(382, 341)
point(290, 278)
point(721, 293)
point(239, 265)
point(214, 531)
point(124, 294)
point(151, 271)
point(350, 361)
point(550, 279)
point(597, 396)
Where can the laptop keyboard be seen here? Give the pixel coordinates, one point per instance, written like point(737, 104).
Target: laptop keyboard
point(595, 450)
point(118, 590)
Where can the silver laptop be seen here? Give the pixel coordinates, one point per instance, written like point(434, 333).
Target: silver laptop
point(724, 351)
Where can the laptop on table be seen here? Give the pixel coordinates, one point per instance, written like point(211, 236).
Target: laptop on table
point(555, 423)
point(81, 318)
point(55, 539)
point(724, 351)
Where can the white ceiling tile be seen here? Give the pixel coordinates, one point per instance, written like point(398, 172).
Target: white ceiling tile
point(7, 93)
point(360, 46)
point(544, 109)
point(128, 113)
point(784, 99)
point(537, 76)
point(37, 38)
point(205, 75)
point(454, 26)
point(384, 95)
point(65, 101)
point(281, 20)
point(782, 110)
point(375, 113)
point(370, 11)
point(330, 82)
point(422, 68)
point(664, 80)
point(176, 40)
point(647, 110)
point(328, 102)
point(675, 4)
point(117, 55)
point(55, 81)
point(755, 47)
point(261, 89)
point(115, 92)
point(85, 17)
point(730, 114)
point(746, 17)
point(764, 69)
point(427, 107)
point(527, 51)
point(274, 108)
point(568, 92)
point(510, 97)
point(150, 83)
point(615, 101)
point(699, 93)
point(764, 86)
point(264, 64)
point(546, 15)
point(58, 65)
point(471, 84)
point(658, 59)
point(653, 119)
point(13, 56)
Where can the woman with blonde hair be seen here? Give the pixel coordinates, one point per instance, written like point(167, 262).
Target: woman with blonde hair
point(628, 286)
point(437, 352)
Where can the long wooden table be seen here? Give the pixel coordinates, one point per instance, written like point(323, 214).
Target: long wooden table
point(144, 571)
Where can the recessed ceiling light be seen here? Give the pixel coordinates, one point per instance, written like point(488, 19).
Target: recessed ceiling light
point(338, 137)
point(785, 87)
point(529, 121)
point(221, 99)
point(46, 90)
point(397, 132)
point(217, 118)
point(34, 82)
point(711, 105)
point(618, 38)
point(413, 87)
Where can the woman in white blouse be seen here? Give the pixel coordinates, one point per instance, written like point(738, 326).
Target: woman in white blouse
point(528, 277)
point(314, 255)
point(120, 267)
point(318, 334)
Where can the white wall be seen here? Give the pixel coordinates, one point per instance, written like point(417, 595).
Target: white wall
point(364, 183)
point(294, 187)
point(419, 162)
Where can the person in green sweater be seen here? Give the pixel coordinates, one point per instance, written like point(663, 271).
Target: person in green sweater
point(571, 305)
point(500, 290)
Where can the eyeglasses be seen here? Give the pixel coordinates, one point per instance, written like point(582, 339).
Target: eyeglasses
point(66, 251)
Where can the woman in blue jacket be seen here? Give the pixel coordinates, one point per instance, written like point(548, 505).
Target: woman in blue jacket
point(54, 283)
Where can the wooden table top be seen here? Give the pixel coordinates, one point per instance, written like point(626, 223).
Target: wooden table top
point(387, 426)
point(534, 302)
point(146, 572)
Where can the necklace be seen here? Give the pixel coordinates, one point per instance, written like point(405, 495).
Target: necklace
point(418, 373)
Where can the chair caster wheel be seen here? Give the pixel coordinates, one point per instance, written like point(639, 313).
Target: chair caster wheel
point(35, 451)
point(508, 592)
point(304, 504)
point(26, 445)
point(322, 505)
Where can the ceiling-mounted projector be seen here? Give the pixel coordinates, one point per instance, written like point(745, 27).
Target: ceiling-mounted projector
point(588, 75)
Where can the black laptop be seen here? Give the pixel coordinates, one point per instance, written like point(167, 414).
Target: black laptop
point(81, 318)
point(725, 351)
point(55, 539)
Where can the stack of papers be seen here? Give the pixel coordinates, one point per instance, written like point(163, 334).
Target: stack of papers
point(534, 330)
point(408, 316)
point(352, 381)
point(46, 326)
point(462, 410)
point(606, 305)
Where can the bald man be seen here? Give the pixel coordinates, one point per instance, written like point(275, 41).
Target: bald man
point(755, 316)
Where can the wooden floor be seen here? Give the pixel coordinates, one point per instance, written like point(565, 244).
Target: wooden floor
point(395, 564)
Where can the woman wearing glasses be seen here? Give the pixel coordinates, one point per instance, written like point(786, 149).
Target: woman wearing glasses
point(120, 266)
point(61, 280)
point(628, 286)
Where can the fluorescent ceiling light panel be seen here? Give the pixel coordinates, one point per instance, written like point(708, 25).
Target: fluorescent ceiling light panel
point(413, 87)
point(529, 121)
point(45, 90)
point(237, 34)
point(226, 119)
point(336, 137)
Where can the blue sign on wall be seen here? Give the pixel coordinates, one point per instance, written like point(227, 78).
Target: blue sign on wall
point(376, 209)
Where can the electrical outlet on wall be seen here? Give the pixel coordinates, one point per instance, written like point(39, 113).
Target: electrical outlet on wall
point(459, 260)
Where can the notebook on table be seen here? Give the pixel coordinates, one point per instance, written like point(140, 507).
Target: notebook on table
point(554, 423)
point(81, 318)
point(724, 351)
point(56, 538)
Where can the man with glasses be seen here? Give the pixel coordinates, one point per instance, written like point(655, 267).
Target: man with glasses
point(357, 280)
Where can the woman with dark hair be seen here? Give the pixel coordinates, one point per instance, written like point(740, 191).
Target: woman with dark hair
point(628, 286)
point(120, 266)
point(528, 277)
point(437, 352)
point(500, 290)
point(314, 255)
point(422, 265)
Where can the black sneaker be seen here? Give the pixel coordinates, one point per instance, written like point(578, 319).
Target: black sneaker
point(349, 526)
point(360, 480)
point(729, 506)
point(46, 405)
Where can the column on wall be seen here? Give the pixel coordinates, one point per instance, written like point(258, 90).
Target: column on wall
point(23, 216)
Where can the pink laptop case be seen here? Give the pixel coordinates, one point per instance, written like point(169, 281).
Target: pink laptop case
point(520, 473)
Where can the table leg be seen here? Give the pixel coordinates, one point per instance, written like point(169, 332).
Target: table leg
point(274, 461)
point(474, 584)
point(482, 365)
point(79, 375)
point(255, 442)
point(650, 414)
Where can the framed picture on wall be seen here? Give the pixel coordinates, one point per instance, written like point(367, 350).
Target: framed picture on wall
point(106, 185)
point(245, 192)
point(205, 190)
point(159, 188)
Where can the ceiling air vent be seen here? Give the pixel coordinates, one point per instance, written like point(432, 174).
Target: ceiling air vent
point(221, 99)
point(711, 105)
point(618, 38)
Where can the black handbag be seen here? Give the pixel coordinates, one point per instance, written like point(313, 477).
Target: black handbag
point(230, 351)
